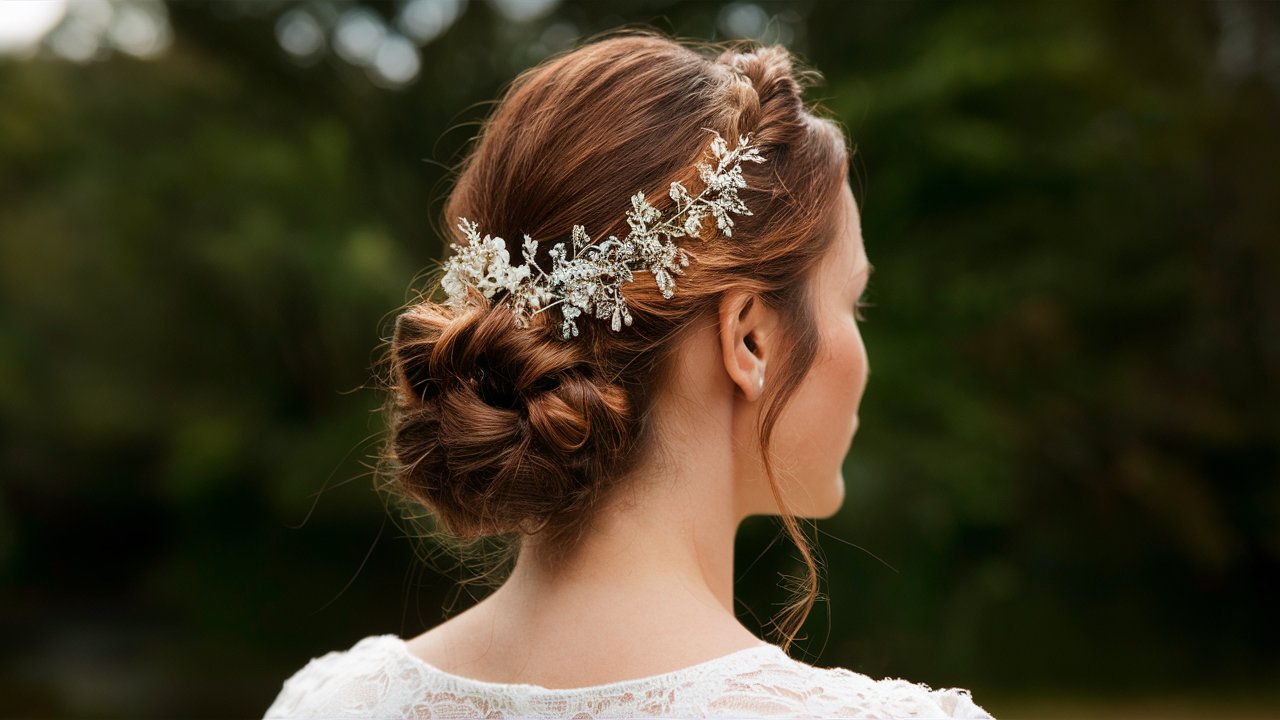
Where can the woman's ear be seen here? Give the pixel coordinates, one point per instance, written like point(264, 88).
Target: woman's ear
point(746, 340)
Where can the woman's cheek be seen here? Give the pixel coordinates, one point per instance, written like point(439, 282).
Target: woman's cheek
point(855, 370)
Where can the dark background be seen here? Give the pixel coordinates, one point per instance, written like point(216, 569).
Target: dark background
point(1063, 494)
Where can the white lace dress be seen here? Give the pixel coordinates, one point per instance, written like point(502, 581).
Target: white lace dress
point(380, 678)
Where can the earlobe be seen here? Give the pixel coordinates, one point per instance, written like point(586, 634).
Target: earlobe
point(742, 343)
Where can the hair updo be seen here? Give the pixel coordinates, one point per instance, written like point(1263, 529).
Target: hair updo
point(501, 431)
point(501, 428)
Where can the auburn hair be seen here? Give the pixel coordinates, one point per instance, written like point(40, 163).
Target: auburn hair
point(500, 432)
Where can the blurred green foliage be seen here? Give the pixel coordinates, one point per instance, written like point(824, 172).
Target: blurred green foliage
point(1064, 484)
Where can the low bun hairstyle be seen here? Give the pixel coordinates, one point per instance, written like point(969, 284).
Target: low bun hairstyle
point(499, 432)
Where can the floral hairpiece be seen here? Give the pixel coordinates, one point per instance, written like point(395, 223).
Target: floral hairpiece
point(590, 282)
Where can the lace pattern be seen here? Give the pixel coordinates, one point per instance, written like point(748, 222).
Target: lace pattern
point(380, 678)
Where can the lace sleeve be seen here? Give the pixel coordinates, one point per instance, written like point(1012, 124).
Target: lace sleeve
point(307, 692)
point(958, 703)
point(844, 693)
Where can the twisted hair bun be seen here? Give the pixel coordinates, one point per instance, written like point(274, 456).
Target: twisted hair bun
point(499, 430)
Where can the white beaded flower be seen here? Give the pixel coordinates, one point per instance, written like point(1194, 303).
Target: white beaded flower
point(590, 281)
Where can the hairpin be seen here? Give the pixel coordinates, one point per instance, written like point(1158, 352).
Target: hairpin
point(590, 281)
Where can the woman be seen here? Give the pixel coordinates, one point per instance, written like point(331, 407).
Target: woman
point(617, 416)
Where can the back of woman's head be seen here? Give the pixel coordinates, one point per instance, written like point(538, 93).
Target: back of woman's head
point(500, 430)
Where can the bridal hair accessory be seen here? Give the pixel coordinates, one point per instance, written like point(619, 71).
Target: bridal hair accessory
point(590, 282)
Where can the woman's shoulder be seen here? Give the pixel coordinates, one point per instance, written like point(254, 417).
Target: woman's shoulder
point(841, 692)
point(340, 683)
point(799, 687)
